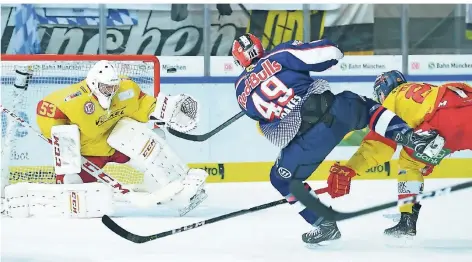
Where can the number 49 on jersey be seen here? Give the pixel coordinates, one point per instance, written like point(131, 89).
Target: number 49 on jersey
point(277, 99)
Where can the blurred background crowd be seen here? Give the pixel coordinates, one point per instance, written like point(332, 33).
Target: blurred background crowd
point(209, 29)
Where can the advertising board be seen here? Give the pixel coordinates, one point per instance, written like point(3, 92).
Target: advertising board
point(239, 152)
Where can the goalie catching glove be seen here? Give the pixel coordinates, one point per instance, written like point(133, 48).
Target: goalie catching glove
point(179, 112)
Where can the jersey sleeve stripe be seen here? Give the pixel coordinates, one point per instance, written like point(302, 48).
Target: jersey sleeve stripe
point(375, 115)
point(383, 122)
point(314, 55)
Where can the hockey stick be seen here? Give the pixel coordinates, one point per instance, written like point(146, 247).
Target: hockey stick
point(314, 204)
point(113, 226)
point(203, 137)
point(91, 168)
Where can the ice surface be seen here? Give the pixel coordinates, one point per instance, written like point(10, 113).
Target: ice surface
point(444, 231)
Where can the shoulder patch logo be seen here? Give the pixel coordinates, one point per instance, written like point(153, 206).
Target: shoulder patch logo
point(69, 97)
point(89, 108)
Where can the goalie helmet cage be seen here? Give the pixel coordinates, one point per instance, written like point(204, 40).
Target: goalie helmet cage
point(25, 157)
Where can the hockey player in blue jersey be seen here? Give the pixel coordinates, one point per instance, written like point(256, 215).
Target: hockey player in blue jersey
point(304, 118)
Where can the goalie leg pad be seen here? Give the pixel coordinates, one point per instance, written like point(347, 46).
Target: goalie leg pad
point(193, 192)
point(149, 151)
point(50, 200)
point(66, 149)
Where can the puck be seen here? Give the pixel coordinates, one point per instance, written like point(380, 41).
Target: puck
point(171, 70)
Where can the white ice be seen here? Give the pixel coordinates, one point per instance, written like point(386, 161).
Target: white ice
point(444, 231)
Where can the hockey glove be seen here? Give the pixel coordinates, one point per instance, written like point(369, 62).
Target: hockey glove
point(179, 112)
point(339, 180)
point(427, 142)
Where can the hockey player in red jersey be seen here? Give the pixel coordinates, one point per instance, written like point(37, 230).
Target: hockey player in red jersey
point(446, 108)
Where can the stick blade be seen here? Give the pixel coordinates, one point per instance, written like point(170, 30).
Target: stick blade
point(206, 136)
point(314, 204)
point(297, 188)
point(196, 138)
point(108, 222)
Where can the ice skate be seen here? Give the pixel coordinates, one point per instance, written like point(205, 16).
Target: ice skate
point(404, 232)
point(406, 227)
point(322, 234)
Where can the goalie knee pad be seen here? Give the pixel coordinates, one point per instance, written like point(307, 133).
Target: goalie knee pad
point(50, 200)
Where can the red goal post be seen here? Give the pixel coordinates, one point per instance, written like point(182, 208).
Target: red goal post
point(25, 157)
point(130, 58)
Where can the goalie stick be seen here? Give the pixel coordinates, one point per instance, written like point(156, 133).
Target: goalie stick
point(203, 137)
point(314, 204)
point(113, 226)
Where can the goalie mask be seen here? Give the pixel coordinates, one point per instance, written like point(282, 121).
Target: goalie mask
point(386, 82)
point(103, 81)
point(246, 49)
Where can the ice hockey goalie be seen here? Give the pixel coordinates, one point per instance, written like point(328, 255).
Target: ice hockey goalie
point(104, 119)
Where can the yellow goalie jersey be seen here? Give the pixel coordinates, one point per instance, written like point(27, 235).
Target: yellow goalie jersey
point(413, 102)
point(76, 105)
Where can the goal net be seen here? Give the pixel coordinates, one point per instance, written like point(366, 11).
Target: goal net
point(25, 156)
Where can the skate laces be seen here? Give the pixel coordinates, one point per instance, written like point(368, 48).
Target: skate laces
point(314, 232)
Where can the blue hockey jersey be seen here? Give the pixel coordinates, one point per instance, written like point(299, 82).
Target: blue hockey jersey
point(272, 90)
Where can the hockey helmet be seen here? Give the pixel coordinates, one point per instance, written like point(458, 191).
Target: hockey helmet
point(386, 82)
point(246, 49)
point(103, 81)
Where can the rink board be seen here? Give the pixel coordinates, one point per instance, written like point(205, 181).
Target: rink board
point(259, 172)
point(236, 154)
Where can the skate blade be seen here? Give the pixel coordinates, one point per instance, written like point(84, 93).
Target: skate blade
point(395, 217)
point(328, 243)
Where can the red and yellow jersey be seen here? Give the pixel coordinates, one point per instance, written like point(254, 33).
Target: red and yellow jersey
point(414, 103)
point(75, 104)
